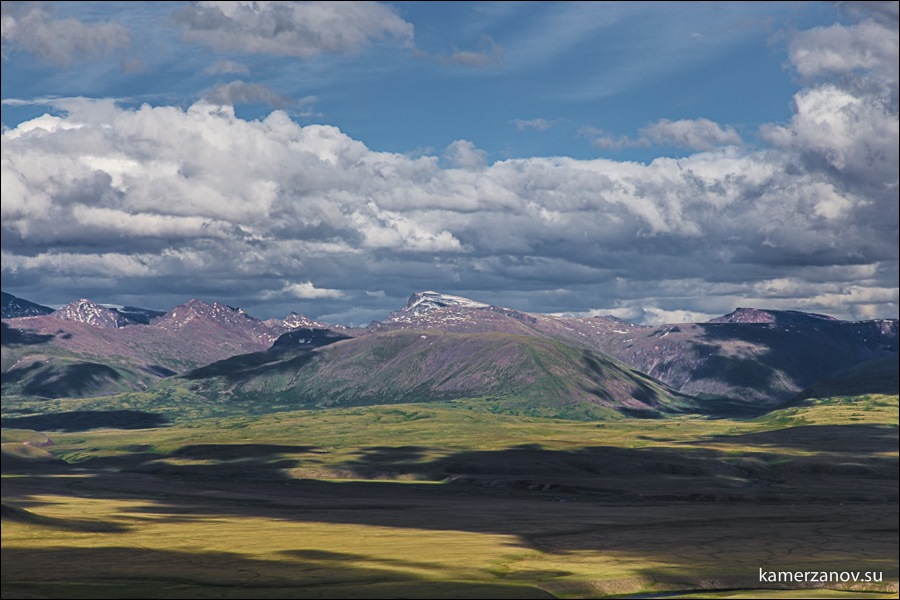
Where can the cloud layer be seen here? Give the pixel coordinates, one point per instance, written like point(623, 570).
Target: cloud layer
point(693, 134)
point(30, 27)
point(301, 29)
point(155, 204)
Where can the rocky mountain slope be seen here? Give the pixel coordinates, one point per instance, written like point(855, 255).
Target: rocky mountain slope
point(527, 374)
point(751, 357)
point(13, 307)
point(86, 349)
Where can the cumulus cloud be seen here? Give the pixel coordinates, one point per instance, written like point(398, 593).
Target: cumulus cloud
point(30, 27)
point(696, 134)
point(195, 197)
point(165, 201)
point(837, 129)
point(306, 291)
point(463, 154)
point(845, 49)
point(303, 29)
point(883, 11)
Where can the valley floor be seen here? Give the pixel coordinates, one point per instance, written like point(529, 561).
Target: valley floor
point(447, 502)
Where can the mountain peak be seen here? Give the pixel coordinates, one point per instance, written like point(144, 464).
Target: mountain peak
point(429, 300)
point(215, 311)
point(423, 303)
point(296, 321)
point(18, 307)
point(86, 311)
point(759, 315)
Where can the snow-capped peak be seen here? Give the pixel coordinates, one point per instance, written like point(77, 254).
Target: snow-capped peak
point(85, 311)
point(296, 321)
point(425, 301)
point(193, 309)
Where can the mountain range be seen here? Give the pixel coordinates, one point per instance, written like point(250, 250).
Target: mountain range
point(442, 347)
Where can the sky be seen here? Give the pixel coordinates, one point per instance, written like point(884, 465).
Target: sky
point(659, 162)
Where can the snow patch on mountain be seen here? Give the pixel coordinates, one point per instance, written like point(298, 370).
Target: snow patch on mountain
point(421, 303)
point(91, 313)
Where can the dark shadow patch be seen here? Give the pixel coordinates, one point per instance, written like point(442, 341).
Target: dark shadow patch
point(85, 420)
point(288, 354)
point(640, 413)
point(10, 336)
point(862, 438)
point(307, 338)
point(160, 371)
point(19, 374)
point(128, 572)
point(735, 371)
point(387, 455)
point(876, 376)
point(240, 451)
point(64, 380)
point(803, 353)
point(255, 364)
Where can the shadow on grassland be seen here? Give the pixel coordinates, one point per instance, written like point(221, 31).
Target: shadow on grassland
point(754, 472)
point(676, 506)
point(852, 439)
point(85, 420)
point(838, 463)
point(124, 572)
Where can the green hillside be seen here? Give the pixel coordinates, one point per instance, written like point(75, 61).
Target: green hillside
point(524, 374)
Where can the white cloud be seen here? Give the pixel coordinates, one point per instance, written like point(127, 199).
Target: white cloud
point(696, 134)
point(303, 29)
point(463, 154)
point(28, 26)
point(841, 49)
point(200, 199)
point(601, 139)
point(306, 290)
point(653, 315)
point(241, 92)
point(852, 134)
point(693, 134)
point(110, 264)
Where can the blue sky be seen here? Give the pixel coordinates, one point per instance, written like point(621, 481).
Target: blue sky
point(657, 161)
point(564, 67)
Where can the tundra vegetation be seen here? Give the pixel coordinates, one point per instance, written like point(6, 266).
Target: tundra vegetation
point(450, 499)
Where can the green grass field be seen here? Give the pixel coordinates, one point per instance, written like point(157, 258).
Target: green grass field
point(451, 500)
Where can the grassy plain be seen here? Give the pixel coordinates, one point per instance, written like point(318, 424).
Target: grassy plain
point(449, 500)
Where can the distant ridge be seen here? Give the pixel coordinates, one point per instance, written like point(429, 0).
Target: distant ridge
point(86, 349)
point(13, 307)
point(784, 317)
point(750, 357)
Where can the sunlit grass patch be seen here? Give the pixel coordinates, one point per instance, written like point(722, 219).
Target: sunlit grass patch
point(151, 544)
point(447, 501)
